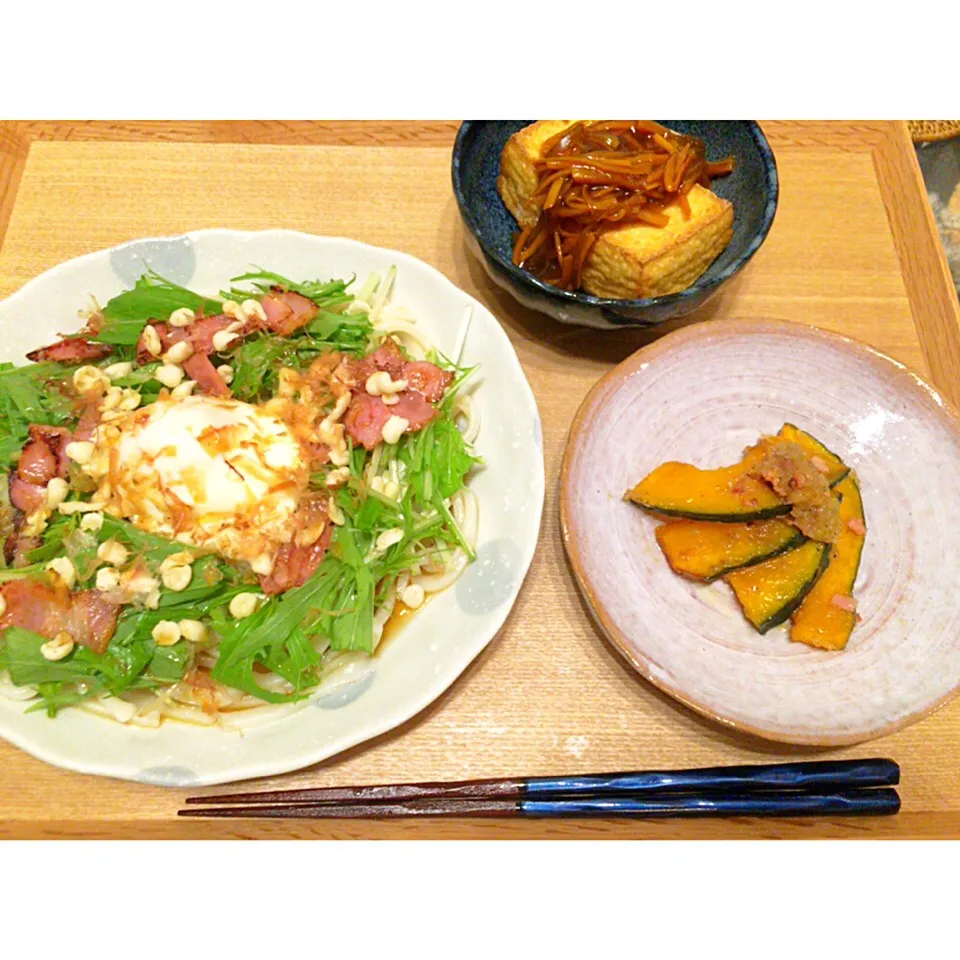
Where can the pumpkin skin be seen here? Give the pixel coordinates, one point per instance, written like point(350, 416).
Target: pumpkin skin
point(770, 592)
point(704, 551)
point(814, 448)
point(819, 622)
point(724, 495)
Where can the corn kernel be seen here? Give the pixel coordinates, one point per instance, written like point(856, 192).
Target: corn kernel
point(338, 476)
point(129, 401)
point(231, 308)
point(182, 317)
point(310, 535)
point(413, 596)
point(388, 538)
point(182, 559)
point(169, 375)
point(193, 630)
point(335, 513)
point(111, 399)
point(394, 429)
point(117, 370)
point(92, 522)
point(89, 379)
point(166, 633)
point(179, 352)
point(253, 310)
point(112, 551)
point(57, 648)
point(222, 340)
point(263, 564)
point(244, 605)
point(177, 578)
point(151, 340)
point(226, 373)
point(80, 451)
point(63, 568)
point(381, 384)
point(108, 578)
point(183, 389)
point(57, 490)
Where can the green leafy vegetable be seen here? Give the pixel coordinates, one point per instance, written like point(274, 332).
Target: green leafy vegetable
point(30, 394)
point(112, 672)
point(152, 298)
point(334, 609)
point(324, 293)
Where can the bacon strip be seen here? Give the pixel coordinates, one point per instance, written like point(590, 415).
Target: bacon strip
point(364, 420)
point(43, 457)
point(422, 377)
point(71, 350)
point(25, 496)
point(427, 379)
point(366, 416)
point(37, 463)
point(88, 421)
point(295, 564)
point(200, 335)
point(199, 368)
point(16, 548)
point(46, 610)
point(386, 357)
point(287, 311)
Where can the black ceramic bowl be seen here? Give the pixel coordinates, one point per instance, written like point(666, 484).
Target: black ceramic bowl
point(751, 188)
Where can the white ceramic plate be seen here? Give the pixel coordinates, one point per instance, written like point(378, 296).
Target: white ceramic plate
point(701, 395)
point(424, 658)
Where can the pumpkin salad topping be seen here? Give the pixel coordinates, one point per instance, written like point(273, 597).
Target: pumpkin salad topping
point(795, 477)
point(784, 528)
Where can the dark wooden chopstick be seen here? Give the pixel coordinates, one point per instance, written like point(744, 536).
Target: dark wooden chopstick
point(818, 788)
point(882, 801)
point(818, 774)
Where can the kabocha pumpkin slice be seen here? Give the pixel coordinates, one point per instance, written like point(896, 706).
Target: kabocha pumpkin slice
point(725, 495)
point(770, 592)
point(827, 616)
point(700, 550)
point(835, 470)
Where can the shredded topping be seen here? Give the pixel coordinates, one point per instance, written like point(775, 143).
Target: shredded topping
point(602, 174)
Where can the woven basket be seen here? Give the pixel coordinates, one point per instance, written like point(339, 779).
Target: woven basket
point(925, 131)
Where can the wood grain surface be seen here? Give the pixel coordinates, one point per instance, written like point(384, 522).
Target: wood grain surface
point(853, 249)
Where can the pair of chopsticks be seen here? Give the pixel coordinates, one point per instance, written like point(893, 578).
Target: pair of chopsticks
point(819, 788)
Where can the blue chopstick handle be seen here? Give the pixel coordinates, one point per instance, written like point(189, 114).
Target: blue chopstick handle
point(841, 774)
point(881, 802)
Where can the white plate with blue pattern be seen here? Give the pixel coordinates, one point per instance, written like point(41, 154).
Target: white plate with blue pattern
point(424, 658)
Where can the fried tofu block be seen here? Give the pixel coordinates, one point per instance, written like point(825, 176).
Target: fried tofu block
point(633, 261)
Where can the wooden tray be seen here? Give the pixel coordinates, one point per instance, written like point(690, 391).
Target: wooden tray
point(853, 249)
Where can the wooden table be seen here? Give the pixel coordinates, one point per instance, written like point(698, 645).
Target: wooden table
point(853, 249)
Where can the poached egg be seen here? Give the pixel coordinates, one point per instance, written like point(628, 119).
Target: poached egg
point(217, 474)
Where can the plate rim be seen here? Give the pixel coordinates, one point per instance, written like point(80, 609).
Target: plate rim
point(940, 406)
point(431, 693)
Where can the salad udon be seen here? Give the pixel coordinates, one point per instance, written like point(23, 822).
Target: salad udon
point(211, 504)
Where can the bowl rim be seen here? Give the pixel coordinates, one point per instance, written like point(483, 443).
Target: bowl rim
point(940, 407)
point(577, 298)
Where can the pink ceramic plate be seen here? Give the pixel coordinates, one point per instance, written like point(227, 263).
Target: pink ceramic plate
point(701, 395)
